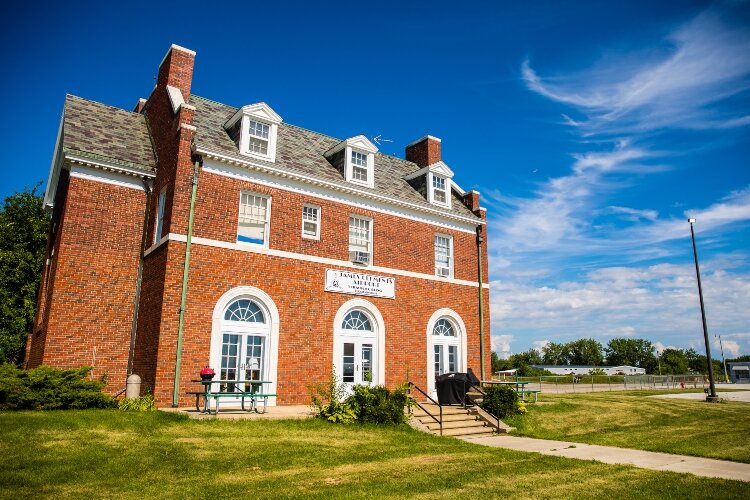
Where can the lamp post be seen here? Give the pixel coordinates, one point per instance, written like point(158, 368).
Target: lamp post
point(712, 397)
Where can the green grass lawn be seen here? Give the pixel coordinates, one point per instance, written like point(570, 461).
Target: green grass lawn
point(99, 453)
point(631, 420)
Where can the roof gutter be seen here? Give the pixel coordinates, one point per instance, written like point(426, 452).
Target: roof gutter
point(183, 298)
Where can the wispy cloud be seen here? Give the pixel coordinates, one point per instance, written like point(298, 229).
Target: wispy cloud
point(705, 63)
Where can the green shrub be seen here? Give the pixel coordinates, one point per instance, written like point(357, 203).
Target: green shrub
point(143, 403)
point(501, 401)
point(378, 405)
point(326, 400)
point(46, 388)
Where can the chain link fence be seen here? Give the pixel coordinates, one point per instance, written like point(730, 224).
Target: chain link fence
point(564, 384)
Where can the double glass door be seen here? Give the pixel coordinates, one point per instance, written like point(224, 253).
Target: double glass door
point(242, 358)
point(357, 362)
point(445, 358)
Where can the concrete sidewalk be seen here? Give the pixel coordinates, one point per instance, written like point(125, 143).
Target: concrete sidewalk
point(705, 467)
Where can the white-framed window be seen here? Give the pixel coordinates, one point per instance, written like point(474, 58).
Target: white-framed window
point(159, 226)
point(258, 137)
point(445, 347)
point(252, 226)
point(444, 255)
point(359, 166)
point(311, 222)
point(360, 240)
point(439, 190)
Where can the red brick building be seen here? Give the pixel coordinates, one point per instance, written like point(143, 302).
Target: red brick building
point(189, 233)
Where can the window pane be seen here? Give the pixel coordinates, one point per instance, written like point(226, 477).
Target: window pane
point(253, 359)
point(359, 234)
point(255, 145)
point(452, 358)
point(366, 362)
point(348, 375)
point(439, 196)
point(258, 129)
point(356, 320)
point(310, 221)
point(438, 360)
point(359, 174)
point(438, 182)
point(443, 328)
point(244, 310)
point(359, 159)
point(253, 218)
point(160, 215)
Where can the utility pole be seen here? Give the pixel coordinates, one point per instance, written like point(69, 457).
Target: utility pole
point(723, 361)
point(712, 397)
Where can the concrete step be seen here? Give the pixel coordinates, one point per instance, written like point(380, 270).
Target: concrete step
point(458, 424)
point(469, 431)
point(435, 410)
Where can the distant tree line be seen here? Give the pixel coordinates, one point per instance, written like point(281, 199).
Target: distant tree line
point(619, 351)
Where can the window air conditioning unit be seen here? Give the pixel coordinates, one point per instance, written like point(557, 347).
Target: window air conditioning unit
point(359, 257)
point(444, 271)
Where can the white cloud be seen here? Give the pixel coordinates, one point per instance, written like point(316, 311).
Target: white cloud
point(539, 345)
point(706, 63)
point(731, 348)
point(501, 345)
point(658, 302)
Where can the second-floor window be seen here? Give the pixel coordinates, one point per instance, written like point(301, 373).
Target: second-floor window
point(443, 256)
point(360, 240)
point(252, 226)
point(159, 226)
point(311, 222)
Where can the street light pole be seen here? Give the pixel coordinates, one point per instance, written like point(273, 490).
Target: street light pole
point(712, 387)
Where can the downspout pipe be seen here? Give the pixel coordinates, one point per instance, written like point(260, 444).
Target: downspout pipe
point(480, 239)
point(183, 298)
point(148, 187)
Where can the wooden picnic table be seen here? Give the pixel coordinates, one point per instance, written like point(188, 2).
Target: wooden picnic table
point(252, 391)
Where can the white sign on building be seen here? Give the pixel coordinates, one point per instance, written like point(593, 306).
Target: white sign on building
point(360, 284)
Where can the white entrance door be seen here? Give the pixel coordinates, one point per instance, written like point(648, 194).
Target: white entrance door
point(445, 352)
point(243, 355)
point(356, 350)
point(357, 366)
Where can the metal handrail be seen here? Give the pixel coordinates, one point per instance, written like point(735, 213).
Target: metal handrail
point(439, 421)
point(484, 395)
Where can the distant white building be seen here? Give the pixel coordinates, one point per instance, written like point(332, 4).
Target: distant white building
point(585, 370)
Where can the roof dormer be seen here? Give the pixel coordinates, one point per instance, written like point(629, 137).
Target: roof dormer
point(434, 182)
point(355, 159)
point(254, 129)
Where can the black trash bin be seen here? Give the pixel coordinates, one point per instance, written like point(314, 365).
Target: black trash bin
point(452, 387)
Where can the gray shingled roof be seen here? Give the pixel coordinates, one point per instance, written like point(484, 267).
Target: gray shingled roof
point(104, 132)
point(301, 151)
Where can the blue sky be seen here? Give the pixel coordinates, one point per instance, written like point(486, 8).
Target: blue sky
point(592, 129)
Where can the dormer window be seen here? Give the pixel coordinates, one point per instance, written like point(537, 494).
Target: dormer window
point(258, 140)
point(355, 159)
point(254, 129)
point(439, 195)
point(434, 182)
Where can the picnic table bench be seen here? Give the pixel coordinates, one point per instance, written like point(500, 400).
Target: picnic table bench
point(254, 394)
point(519, 387)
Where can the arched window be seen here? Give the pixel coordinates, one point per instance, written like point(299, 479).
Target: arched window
point(356, 320)
point(244, 310)
point(444, 328)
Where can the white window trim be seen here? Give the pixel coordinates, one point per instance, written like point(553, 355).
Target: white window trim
point(379, 333)
point(431, 190)
point(245, 138)
point(317, 224)
point(460, 328)
point(451, 258)
point(371, 247)
point(267, 227)
point(350, 167)
point(161, 202)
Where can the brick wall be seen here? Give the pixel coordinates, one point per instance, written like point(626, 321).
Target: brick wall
point(306, 320)
point(89, 296)
point(399, 243)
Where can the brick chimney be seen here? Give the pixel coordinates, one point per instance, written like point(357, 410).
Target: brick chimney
point(425, 151)
point(471, 200)
point(176, 70)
